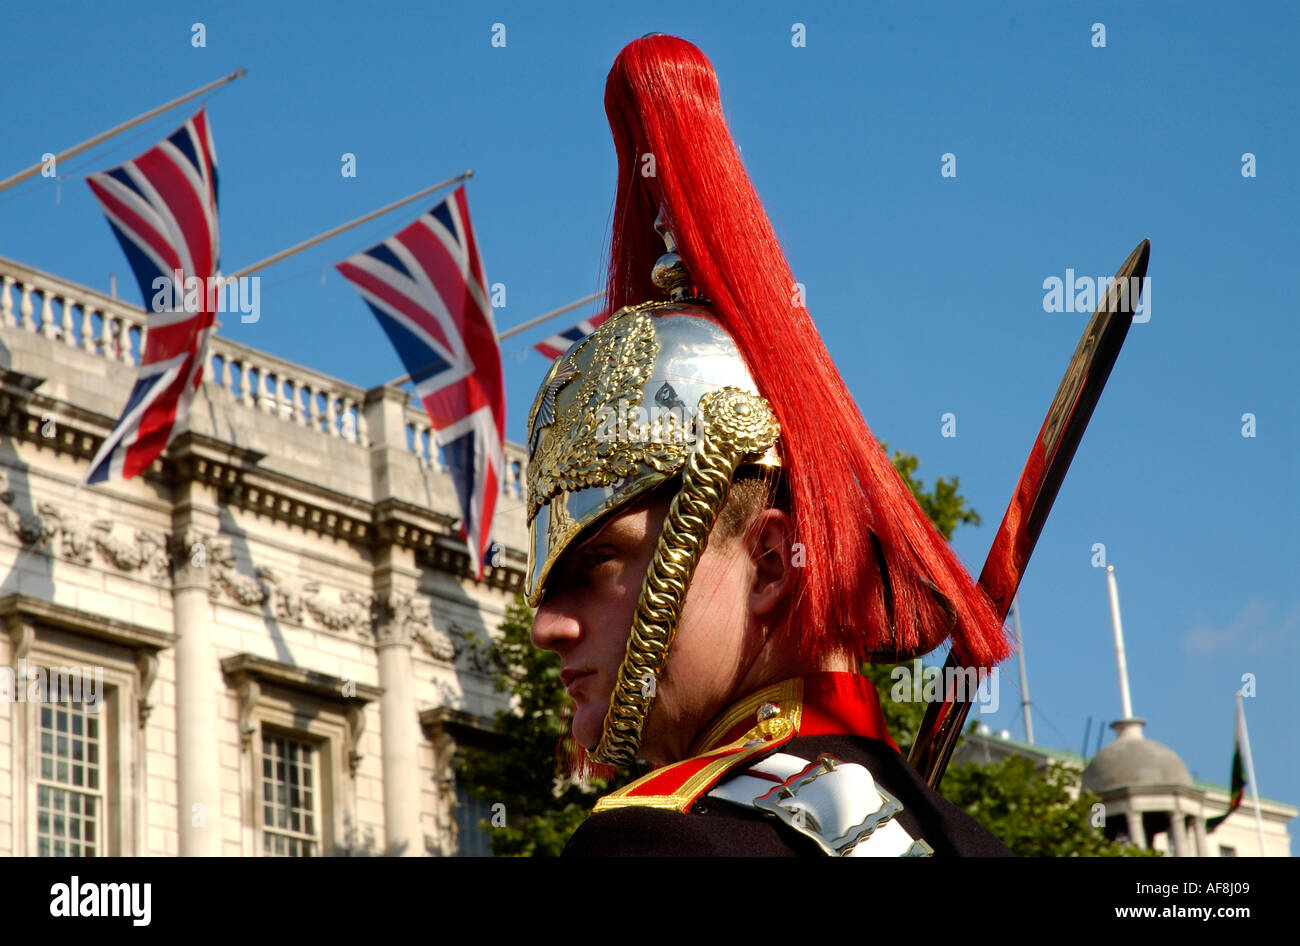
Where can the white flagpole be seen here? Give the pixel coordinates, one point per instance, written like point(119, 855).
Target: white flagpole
point(335, 231)
point(1244, 737)
point(398, 381)
point(1126, 702)
point(1024, 676)
point(118, 129)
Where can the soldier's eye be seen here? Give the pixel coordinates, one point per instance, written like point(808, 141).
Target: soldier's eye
point(597, 557)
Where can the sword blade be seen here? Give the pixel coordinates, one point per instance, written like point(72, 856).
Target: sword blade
point(1049, 459)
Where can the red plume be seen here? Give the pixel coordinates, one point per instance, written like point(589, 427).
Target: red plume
point(674, 148)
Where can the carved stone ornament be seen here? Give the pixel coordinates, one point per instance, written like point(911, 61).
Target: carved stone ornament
point(78, 541)
point(250, 691)
point(149, 550)
point(470, 651)
point(285, 603)
point(220, 564)
point(351, 613)
point(406, 617)
point(146, 663)
point(356, 717)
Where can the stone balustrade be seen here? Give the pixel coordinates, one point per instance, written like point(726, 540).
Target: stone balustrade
point(77, 316)
point(420, 440)
point(37, 302)
point(291, 392)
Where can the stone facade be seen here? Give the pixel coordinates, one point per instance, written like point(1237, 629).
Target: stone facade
point(281, 597)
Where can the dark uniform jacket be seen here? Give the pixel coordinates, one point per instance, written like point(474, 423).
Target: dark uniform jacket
point(669, 812)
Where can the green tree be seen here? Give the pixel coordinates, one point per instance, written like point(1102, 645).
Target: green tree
point(944, 506)
point(1032, 812)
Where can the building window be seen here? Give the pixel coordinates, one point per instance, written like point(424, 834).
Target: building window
point(299, 736)
point(1225, 851)
point(69, 787)
point(76, 749)
point(290, 825)
point(471, 813)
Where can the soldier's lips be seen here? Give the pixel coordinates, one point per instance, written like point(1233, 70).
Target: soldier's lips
point(571, 680)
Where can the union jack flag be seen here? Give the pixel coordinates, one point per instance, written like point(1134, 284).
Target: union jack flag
point(427, 289)
point(557, 344)
point(162, 207)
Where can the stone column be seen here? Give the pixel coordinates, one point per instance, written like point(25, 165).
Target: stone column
point(198, 675)
point(1198, 831)
point(1178, 831)
point(395, 474)
point(401, 723)
point(1135, 832)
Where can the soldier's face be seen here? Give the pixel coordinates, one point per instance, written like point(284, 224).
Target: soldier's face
point(587, 614)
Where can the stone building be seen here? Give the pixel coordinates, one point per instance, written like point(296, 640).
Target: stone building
point(279, 611)
point(1150, 798)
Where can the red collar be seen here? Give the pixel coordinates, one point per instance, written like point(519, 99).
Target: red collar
point(819, 704)
point(832, 704)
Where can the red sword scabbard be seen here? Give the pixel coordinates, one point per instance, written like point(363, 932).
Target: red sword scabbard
point(1049, 459)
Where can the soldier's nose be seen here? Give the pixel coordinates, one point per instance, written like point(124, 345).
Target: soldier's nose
point(554, 626)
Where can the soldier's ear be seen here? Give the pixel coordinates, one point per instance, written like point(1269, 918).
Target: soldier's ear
point(771, 552)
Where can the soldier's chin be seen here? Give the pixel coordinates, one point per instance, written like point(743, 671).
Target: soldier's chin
point(589, 722)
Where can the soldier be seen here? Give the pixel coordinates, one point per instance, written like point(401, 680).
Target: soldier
point(716, 538)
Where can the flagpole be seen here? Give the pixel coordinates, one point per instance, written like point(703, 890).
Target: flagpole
point(396, 382)
point(104, 136)
point(1024, 675)
point(1126, 702)
point(549, 315)
point(1250, 772)
point(364, 218)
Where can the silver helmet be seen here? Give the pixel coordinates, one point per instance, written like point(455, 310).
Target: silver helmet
point(659, 390)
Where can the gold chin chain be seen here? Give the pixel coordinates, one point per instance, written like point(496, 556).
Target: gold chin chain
point(734, 426)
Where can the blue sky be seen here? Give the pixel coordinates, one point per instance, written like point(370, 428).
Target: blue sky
point(928, 290)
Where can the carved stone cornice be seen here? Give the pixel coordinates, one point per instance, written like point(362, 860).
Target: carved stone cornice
point(50, 530)
point(235, 472)
point(451, 555)
point(53, 424)
point(412, 527)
